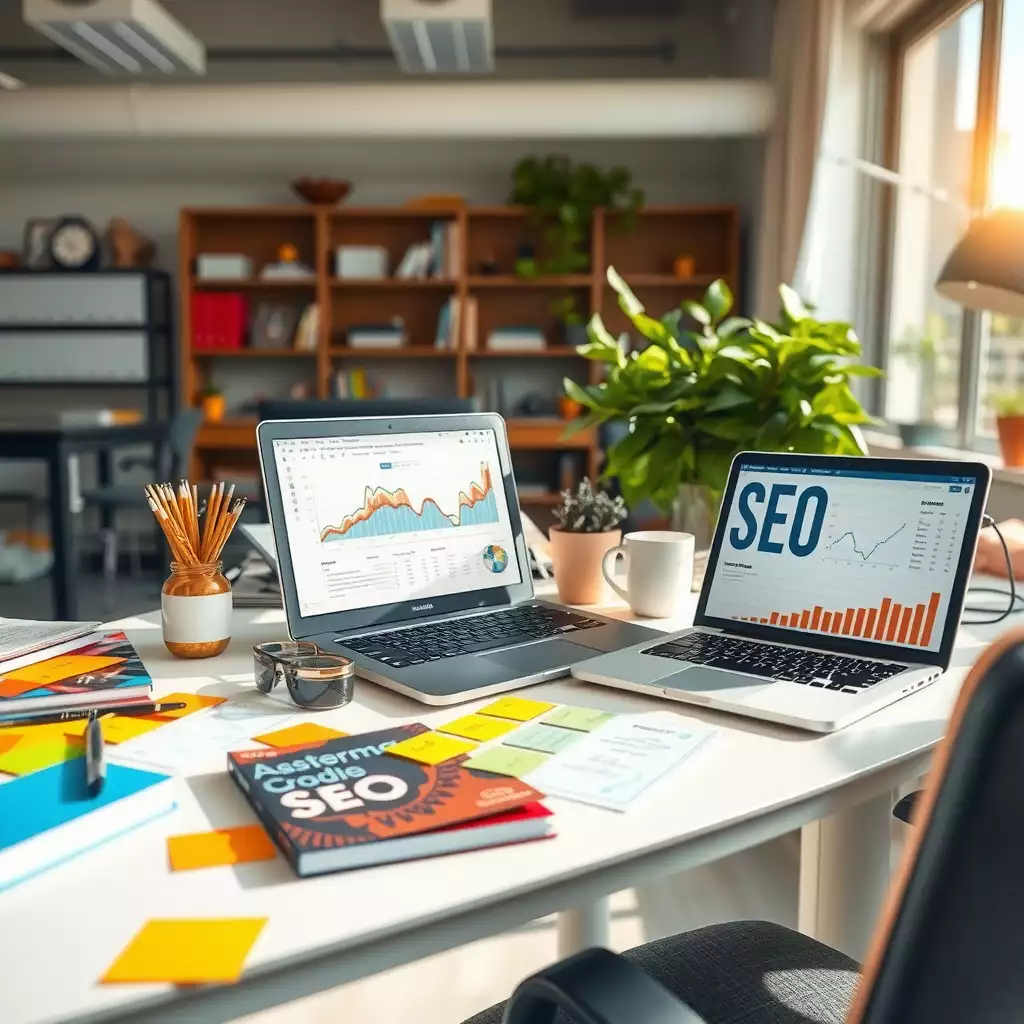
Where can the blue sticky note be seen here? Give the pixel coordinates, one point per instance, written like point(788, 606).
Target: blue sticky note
point(48, 816)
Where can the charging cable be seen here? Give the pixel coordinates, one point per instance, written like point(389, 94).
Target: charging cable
point(1016, 601)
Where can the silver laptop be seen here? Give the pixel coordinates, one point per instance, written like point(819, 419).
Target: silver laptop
point(400, 545)
point(834, 587)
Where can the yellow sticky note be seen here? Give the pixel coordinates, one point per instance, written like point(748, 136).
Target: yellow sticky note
point(478, 727)
point(305, 734)
point(193, 702)
point(48, 733)
point(517, 708)
point(431, 748)
point(29, 756)
point(6, 742)
point(64, 667)
point(225, 846)
point(117, 728)
point(186, 951)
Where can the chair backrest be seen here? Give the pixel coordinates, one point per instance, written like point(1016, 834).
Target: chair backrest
point(950, 944)
point(176, 450)
point(328, 408)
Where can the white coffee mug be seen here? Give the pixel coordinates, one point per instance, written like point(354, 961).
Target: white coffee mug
point(659, 571)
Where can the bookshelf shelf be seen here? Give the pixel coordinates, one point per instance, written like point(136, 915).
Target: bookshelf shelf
point(392, 283)
point(251, 353)
point(514, 281)
point(406, 352)
point(490, 236)
point(551, 352)
point(252, 284)
point(670, 280)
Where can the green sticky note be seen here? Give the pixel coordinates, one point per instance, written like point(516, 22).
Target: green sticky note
point(580, 719)
point(543, 738)
point(506, 761)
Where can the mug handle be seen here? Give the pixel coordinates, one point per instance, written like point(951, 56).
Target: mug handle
point(608, 568)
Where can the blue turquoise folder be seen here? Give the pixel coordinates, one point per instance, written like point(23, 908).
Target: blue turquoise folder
point(48, 817)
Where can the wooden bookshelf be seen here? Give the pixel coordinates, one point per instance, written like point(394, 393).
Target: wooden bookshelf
point(491, 239)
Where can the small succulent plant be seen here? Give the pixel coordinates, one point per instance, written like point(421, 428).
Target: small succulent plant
point(589, 511)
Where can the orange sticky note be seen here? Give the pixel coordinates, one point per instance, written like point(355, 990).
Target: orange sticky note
point(517, 708)
point(430, 748)
point(186, 951)
point(6, 742)
point(193, 702)
point(305, 734)
point(225, 846)
point(64, 667)
point(51, 731)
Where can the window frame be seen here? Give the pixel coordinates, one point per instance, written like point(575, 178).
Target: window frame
point(929, 19)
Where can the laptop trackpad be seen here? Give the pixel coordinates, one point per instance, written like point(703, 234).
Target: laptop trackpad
point(539, 657)
point(715, 683)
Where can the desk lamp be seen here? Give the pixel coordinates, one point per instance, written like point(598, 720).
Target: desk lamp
point(985, 271)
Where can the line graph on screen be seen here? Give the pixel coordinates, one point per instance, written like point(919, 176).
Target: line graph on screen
point(387, 512)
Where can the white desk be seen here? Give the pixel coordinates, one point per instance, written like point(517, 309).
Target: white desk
point(60, 931)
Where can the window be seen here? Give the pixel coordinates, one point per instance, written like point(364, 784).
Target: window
point(954, 75)
point(937, 117)
point(1003, 337)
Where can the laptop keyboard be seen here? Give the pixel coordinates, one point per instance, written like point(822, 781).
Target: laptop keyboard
point(437, 640)
point(774, 661)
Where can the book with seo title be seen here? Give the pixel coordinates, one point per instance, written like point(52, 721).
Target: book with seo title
point(346, 804)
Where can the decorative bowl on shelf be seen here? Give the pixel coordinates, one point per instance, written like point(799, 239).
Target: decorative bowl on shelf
point(321, 191)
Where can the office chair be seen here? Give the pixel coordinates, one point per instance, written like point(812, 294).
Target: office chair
point(949, 945)
point(172, 454)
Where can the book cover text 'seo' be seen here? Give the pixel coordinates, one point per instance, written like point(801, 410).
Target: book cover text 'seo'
point(347, 792)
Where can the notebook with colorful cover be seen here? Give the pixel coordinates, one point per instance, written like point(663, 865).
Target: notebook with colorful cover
point(105, 672)
point(346, 804)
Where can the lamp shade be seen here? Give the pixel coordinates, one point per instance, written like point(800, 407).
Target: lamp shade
point(986, 269)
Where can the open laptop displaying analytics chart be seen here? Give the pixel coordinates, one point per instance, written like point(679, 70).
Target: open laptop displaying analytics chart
point(834, 587)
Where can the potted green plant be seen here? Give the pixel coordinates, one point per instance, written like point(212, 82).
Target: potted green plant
point(693, 398)
point(562, 198)
point(574, 327)
point(1009, 408)
point(588, 527)
point(213, 404)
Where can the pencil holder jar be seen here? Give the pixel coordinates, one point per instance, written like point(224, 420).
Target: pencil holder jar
point(195, 610)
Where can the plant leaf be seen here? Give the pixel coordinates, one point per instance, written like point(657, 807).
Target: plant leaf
point(717, 300)
point(628, 302)
point(697, 312)
point(792, 305)
point(732, 325)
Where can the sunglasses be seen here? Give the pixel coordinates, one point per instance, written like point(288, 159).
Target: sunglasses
point(315, 680)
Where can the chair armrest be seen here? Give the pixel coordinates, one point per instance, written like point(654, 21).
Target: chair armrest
point(137, 461)
point(596, 987)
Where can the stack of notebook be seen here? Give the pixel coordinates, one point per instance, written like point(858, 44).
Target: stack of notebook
point(96, 670)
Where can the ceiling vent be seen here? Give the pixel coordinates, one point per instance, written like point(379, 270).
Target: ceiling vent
point(126, 37)
point(440, 37)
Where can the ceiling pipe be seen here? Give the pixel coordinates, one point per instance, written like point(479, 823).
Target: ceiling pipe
point(647, 108)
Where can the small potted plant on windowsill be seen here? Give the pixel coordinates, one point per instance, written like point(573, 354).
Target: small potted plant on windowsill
point(213, 404)
point(1009, 409)
point(588, 527)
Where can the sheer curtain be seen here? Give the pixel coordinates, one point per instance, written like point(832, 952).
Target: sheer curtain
point(801, 51)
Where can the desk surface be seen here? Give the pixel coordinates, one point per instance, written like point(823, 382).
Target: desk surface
point(62, 930)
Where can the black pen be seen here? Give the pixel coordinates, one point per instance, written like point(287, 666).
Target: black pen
point(74, 716)
point(95, 768)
